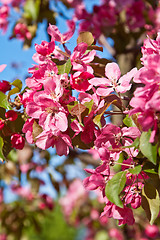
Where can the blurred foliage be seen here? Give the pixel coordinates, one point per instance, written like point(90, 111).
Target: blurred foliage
point(53, 227)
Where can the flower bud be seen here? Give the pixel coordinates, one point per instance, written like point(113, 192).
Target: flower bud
point(11, 115)
point(17, 141)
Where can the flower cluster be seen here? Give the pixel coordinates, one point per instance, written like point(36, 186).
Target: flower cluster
point(54, 117)
point(105, 17)
point(57, 119)
point(146, 98)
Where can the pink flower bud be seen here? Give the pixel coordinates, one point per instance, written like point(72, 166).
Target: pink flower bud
point(11, 115)
point(4, 86)
point(21, 31)
point(17, 141)
point(151, 231)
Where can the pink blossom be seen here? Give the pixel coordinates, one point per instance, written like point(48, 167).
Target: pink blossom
point(76, 127)
point(47, 139)
point(79, 81)
point(134, 14)
point(27, 97)
point(124, 215)
point(80, 58)
point(50, 113)
point(66, 98)
point(103, 19)
point(28, 129)
point(4, 86)
point(134, 195)
point(87, 135)
point(151, 231)
point(45, 48)
point(145, 102)
point(41, 73)
point(55, 34)
point(2, 67)
point(17, 141)
point(113, 82)
point(1, 195)
point(4, 13)
point(96, 179)
point(21, 31)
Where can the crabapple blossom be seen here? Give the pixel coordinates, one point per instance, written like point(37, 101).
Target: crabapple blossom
point(4, 13)
point(21, 31)
point(79, 81)
point(4, 86)
point(124, 215)
point(45, 48)
point(17, 141)
point(11, 115)
point(145, 100)
point(113, 82)
point(2, 67)
point(151, 231)
point(55, 34)
point(54, 117)
point(80, 59)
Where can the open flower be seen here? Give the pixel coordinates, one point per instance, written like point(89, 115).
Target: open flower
point(113, 82)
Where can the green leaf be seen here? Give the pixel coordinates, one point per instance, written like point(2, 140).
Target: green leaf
point(13, 91)
point(159, 169)
point(2, 158)
point(148, 150)
point(31, 9)
point(135, 144)
point(89, 105)
point(128, 121)
point(135, 170)
point(4, 102)
point(114, 187)
point(150, 201)
point(17, 83)
point(65, 68)
point(159, 151)
point(150, 171)
point(97, 120)
point(117, 167)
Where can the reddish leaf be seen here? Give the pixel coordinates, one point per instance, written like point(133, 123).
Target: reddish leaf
point(77, 110)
